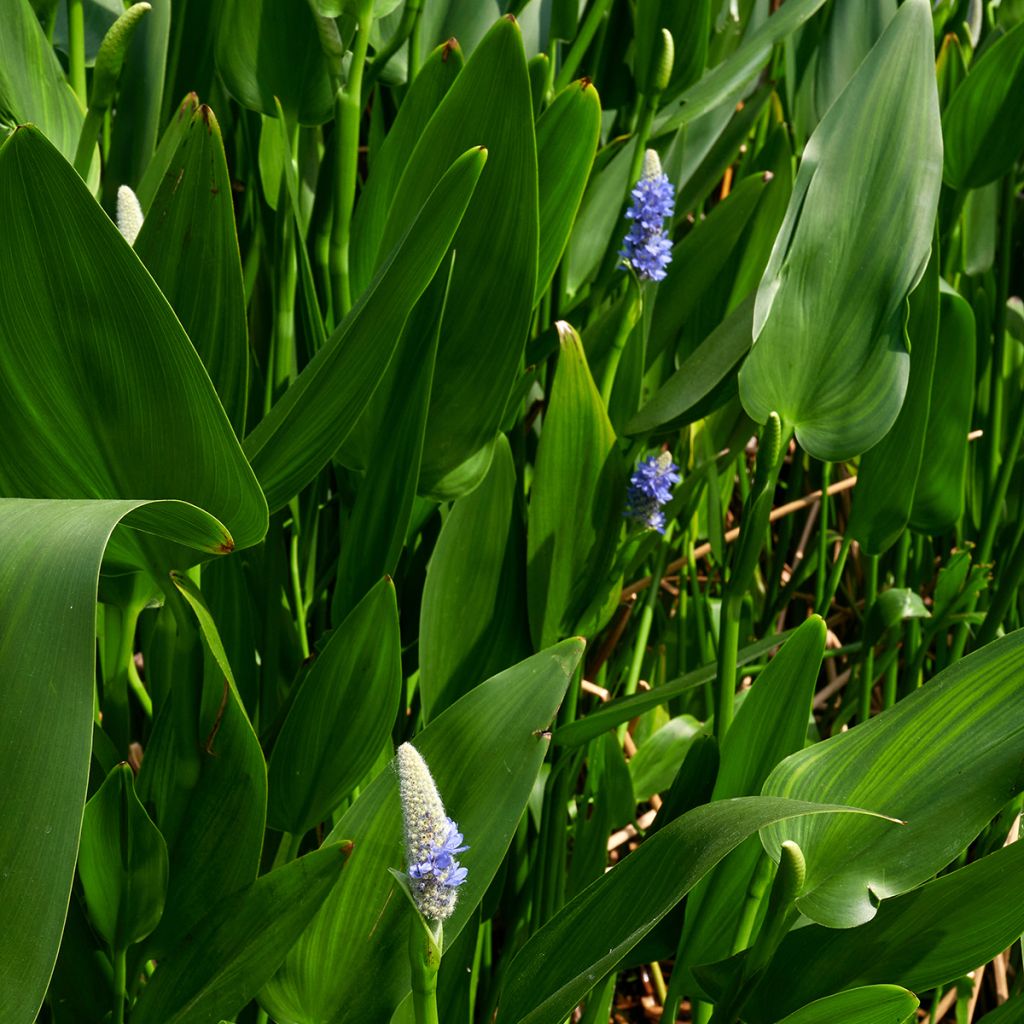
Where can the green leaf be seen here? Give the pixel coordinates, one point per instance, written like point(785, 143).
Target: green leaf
point(488, 105)
point(654, 766)
point(484, 753)
point(271, 48)
point(888, 472)
point(576, 501)
point(465, 20)
point(592, 933)
point(50, 555)
point(963, 728)
point(920, 940)
point(941, 483)
point(893, 606)
point(873, 1004)
point(122, 862)
point(372, 542)
point(984, 122)
point(473, 616)
point(301, 432)
point(425, 93)
point(240, 943)
point(830, 354)
point(341, 717)
point(721, 82)
point(85, 329)
point(615, 712)
point(188, 243)
point(567, 136)
point(33, 88)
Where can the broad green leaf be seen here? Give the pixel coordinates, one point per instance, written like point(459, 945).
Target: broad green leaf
point(171, 140)
point(920, 940)
point(872, 1004)
point(888, 472)
point(105, 397)
point(892, 606)
point(473, 616)
point(984, 123)
point(484, 752)
point(770, 724)
point(122, 862)
point(240, 943)
point(576, 501)
point(50, 555)
point(306, 426)
point(188, 243)
point(655, 764)
point(341, 717)
point(593, 932)
point(425, 94)
point(488, 105)
point(830, 352)
point(615, 712)
point(567, 136)
point(963, 729)
point(941, 483)
point(271, 48)
point(205, 775)
point(718, 84)
point(372, 543)
point(98, 16)
point(33, 89)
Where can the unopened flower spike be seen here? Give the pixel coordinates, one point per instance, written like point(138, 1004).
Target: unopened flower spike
point(650, 488)
point(129, 214)
point(432, 839)
point(646, 247)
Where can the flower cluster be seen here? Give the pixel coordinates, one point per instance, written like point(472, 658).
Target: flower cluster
point(646, 247)
point(432, 839)
point(650, 487)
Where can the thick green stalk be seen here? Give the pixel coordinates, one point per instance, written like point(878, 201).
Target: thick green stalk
point(728, 644)
point(76, 47)
point(120, 988)
point(424, 959)
point(627, 321)
point(348, 110)
point(582, 41)
point(87, 141)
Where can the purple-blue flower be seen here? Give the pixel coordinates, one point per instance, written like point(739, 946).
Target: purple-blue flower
point(646, 247)
point(650, 487)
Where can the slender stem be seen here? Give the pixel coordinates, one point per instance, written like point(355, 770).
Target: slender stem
point(120, 989)
point(728, 644)
point(649, 105)
point(819, 580)
point(1006, 592)
point(867, 668)
point(627, 321)
point(756, 889)
point(410, 16)
point(582, 41)
point(76, 48)
point(995, 425)
point(599, 1003)
point(348, 110)
point(87, 142)
point(835, 576)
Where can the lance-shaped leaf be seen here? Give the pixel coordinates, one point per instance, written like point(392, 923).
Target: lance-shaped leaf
point(593, 932)
point(830, 353)
point(341, 717)
point(188, 243)
point(887, 477)
point(872, 1004)
point(567, 135)
point(304, 429)
point(473, 616)
point(984, 122)
point(484, 752)
point(271, 48)
point(122, 862)
point(33, 89)
point(941, 483)
point(489, 105)
point(577, 499)
point(50, 555)
point(104, 396)
point(240, 943)
point(921, 940)
point(964, 730)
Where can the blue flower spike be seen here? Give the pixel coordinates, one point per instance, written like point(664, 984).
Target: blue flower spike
point(432, 839)
point(646, 248)
point(650, 488)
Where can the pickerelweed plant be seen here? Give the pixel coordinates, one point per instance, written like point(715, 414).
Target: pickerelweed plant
point(615, 406)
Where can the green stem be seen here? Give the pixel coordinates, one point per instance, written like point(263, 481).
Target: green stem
point(834, 577)
point(76, 47)
point(424, 961)
point(120, 989)
point(867, 668)
point(410, 16)
point(819, 580)
point(649, 104)
point(348, 110)
point(756, 889)
point(1006, 592)
point(598, 1006)
point(581, 43)
point(995, 425)
point(87, 142)
point(627, 321)
point(728, 644)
